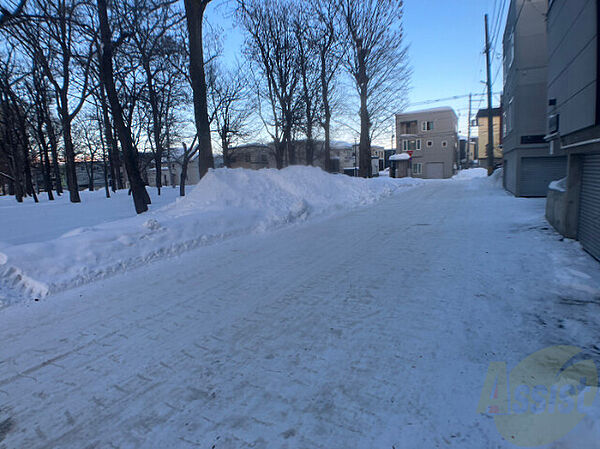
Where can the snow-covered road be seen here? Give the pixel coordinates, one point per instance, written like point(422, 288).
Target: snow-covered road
point(371, 329)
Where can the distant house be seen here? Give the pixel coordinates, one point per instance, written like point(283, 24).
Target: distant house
point(86, 171)
point(171, 169)
point(529, 165)
point(482, 124)
point(573, 206)
point(431, 136)
point(253, 156)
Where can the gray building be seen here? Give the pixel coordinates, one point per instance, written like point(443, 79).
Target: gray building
point(573, 206)
point(431, 136)
point(529, 165)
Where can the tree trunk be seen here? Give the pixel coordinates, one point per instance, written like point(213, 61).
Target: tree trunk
point(225, 147)
point(105, 168)
point(279, 154)
point(310, 146)
point(91, 179)
point(184, 169)
point(113, 149)
point(72, 184)
point(28, 178)
point(364, 157)
point(158, 148)
point(158, 164)
point(194, 10)
point(54, 151)
point(138, 189)
point(45, 160)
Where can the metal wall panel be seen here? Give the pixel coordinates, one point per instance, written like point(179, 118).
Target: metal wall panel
point(538, 172)
point(589, 206)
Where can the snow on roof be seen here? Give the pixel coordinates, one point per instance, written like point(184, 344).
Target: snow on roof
point(341, 145)
point(400, 157)
point(423, 111)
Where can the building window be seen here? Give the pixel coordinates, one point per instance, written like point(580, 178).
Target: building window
point(248, 157)
point(509, 54)
point(411, 145)
point(427, 126)
point(417, 168)
point(430, 143)
point(444, 144)
point(408, 127)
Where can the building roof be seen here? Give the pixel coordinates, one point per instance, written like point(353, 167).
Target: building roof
point(430, 110)
point(483, 113)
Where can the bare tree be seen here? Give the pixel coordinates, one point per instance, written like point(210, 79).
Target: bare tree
point(141, 198)
point(14, 138)
point(330, 51)
point(186, 156)
point(230, 106)
point(154, 43)
point(307, 39)
point(271, 47)
point(194, 10)
point(377, 62)
point(60, 40)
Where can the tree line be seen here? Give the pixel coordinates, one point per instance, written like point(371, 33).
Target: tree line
point(120, 84)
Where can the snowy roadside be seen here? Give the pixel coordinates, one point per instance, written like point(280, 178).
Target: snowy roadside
point(226, 203)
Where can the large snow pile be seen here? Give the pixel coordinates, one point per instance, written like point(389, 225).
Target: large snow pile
point(225, 203)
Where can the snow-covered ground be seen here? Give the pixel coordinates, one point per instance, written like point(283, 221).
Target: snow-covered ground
point(226, 203)
point(29, 222)
point(369, 328)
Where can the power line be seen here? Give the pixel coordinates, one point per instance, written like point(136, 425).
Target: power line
point(456, 97)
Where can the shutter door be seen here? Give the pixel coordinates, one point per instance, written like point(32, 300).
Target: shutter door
point(538, 172)
point(434, 170)
point(589, 206)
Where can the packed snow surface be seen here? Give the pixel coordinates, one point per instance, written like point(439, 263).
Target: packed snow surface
point(370, 328)
point(224, 204)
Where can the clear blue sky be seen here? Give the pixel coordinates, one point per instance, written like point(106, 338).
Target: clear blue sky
point(446, 40)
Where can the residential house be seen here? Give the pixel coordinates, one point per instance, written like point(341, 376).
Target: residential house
point(171, 169)
point(482, 124)
point(253, 156)
point(529, 166)
point(573, 205)
point(432, 137)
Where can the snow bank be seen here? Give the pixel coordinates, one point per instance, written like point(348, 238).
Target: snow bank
point(225, 203)
point(471, 173)
point(559, 186)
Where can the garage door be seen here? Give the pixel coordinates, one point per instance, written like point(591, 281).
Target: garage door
point(538, 172)
point(434, 170)
point(589, 206)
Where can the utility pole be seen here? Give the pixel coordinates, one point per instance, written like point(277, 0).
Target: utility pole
point(490, 147)
point(468, 133)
